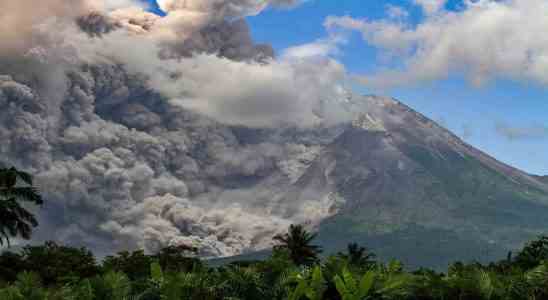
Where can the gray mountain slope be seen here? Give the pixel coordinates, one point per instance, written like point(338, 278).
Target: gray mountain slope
point(409, 189)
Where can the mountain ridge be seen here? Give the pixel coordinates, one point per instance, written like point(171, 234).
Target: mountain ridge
point(417, 181)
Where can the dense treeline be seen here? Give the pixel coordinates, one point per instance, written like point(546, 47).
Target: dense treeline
point(294, 271)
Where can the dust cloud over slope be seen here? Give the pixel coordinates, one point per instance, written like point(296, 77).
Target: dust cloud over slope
point(127, 119)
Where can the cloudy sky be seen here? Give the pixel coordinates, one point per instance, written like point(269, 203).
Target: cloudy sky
point(479, 67)
point(503, 113)
point(102, 95)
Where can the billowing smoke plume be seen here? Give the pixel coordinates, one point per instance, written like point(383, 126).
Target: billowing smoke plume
point(140, 139)
point(223, 8)
point(227, 39)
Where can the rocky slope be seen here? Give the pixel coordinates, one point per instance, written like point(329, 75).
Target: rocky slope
point(410, 189)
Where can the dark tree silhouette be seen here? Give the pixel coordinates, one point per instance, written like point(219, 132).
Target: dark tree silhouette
point(358, 256)
point(55, 263)
point(15, 220)
point(135, 264)
point(297, 242)
point(533, 253)
point(178, 258)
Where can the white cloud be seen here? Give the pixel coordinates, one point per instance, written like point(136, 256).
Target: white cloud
point(431, 6)
point(396, 12)
point(486, 40)
point(320, 48)
point(224, 8)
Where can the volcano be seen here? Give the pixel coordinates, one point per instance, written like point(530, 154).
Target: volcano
point(409, 189)
point(132, 170)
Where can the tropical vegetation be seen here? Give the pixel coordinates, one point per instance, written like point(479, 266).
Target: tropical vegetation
point(15, 220)
point(52, 271)
point(295, 270)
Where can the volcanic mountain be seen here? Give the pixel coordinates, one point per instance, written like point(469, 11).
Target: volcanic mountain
point(409, 189)
point(121, 167)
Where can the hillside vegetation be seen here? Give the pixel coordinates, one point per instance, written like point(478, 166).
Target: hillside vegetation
point(293, 271)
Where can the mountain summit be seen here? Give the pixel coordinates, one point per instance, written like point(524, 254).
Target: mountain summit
point(410, 189)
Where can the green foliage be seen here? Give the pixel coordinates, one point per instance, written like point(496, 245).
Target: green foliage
point(11, 264)
point(243, 283)
point(78, 290)
point(178, 259)
point(135, 264)
point(118, 285)
point(350, 289)
point(310, 284)
point(29, 286)
point(345, 276)
point(358, 256)
point(15, 220)
point(297, 242)
point(11, 293)
point(57, 264)
point(156, 273)
point(81, 291)
point(533, 253)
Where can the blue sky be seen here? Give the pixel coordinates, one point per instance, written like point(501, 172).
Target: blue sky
point(472, 112)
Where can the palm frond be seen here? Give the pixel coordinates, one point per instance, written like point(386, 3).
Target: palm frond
point(29, 194)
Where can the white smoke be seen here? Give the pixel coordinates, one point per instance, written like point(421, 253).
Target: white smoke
point(239, 93)
point(223, 8)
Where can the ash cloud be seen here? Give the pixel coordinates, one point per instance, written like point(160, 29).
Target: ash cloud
point(131, 132)
point(18, 19)
point(226, 39)
point(176, 177)
point(96, 24)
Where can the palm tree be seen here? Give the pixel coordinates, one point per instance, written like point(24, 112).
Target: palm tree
point(243, 283)
point(15, 220)
point(297, 243)
point(358, 256)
